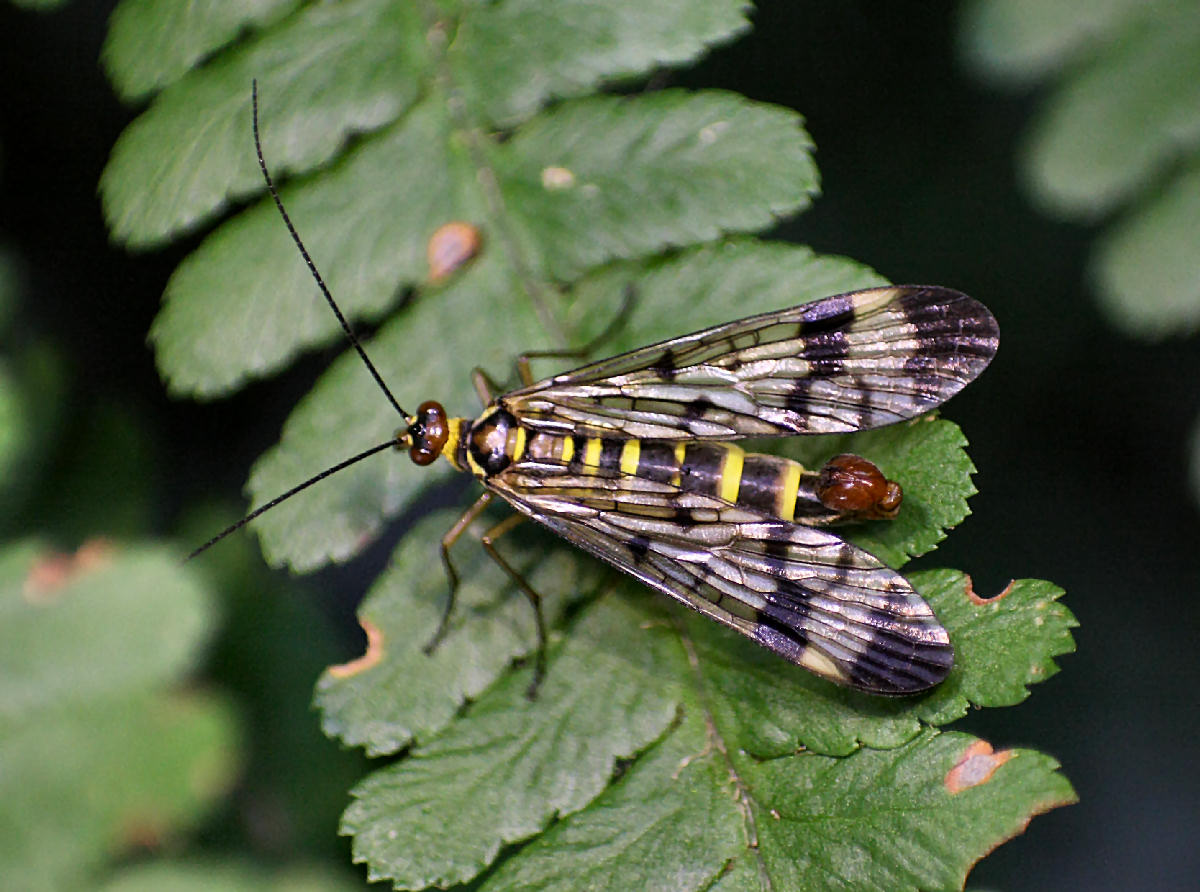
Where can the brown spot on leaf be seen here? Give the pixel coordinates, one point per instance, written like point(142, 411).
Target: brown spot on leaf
point(978, 599)
point(142, 828)
point(451, 246)
point(976, 766)
point(372, 656)
point(54, 569)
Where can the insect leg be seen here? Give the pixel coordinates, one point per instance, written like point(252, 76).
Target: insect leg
point(489, 543)
point(525, 374)
point(486, 387)
point(468, 517)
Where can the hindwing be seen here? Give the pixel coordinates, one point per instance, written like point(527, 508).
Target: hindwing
point(804, 593)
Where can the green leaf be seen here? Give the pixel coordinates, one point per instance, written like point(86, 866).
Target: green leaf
point(520, 763)
point(1145, 267)
point(151, 43)
point(634, 175)
point(15, 430)
point(876, 819)
point(1019, 41)
point(510, 58)
point(105, 776)
point(649, 172)
point(637, 766)
point(190, 153)
point(1117, 127)
point(400, 693)
point(98, 756)
point(244, 303)
point(889, 819)
point(71, 624)
point(1003, 643)
point(670, 823)
point(225, 875)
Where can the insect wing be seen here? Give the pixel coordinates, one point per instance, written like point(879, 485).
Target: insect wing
point(802, 592)
point(850, 362)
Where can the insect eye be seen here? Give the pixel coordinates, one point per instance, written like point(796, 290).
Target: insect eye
point(853, 486)
point(429, 432)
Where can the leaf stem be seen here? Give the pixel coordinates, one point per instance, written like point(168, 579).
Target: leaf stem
point(717, 741)
point(489, 183)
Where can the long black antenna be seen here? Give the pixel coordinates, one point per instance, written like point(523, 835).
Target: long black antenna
point(312, 267)
point(397, 440)
point(287, 495)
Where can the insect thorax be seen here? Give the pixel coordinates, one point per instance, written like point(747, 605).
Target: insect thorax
point(487, 445)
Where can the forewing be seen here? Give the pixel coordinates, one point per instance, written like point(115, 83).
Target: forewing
point(850, 362)
point(801, 592)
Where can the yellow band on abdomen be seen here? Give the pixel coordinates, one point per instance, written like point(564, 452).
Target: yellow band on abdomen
point(785, 508)
point(731, 472)
point(631, 454)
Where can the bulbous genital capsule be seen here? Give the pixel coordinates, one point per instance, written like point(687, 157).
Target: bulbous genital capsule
point(857, 489)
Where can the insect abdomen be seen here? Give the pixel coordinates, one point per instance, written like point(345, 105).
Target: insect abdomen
point(770, 484)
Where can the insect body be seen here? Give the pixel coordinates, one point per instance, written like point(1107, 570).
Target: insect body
point(627, 459)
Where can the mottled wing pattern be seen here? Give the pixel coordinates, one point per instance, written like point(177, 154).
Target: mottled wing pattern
point(802, 592)
point(850, 362)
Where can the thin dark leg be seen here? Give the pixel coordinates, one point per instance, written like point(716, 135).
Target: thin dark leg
point(485, 387)
point(489, 543)
point(525, 374)
point(460, 525)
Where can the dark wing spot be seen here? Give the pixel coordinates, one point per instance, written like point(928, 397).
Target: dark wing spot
point(639, 547)
point(956, 335)
point(787, 622)
point(667, 365)
point(777, 549)
point(697, 408)
point(826, 352)
point(897, 664)
point(826, 315)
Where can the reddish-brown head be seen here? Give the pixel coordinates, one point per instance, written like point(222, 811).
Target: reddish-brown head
point(427, 433)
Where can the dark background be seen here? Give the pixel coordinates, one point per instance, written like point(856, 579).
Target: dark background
point(1080, 436)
